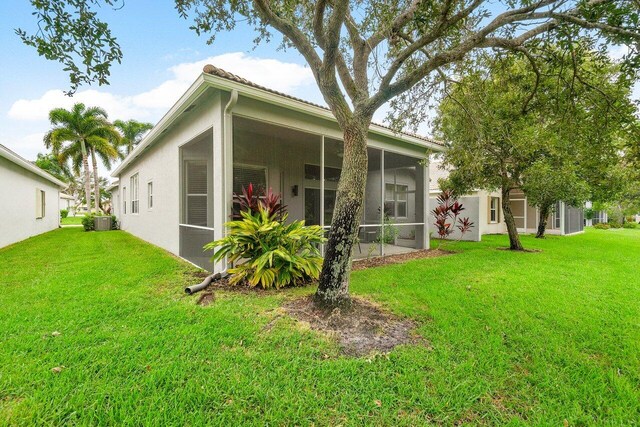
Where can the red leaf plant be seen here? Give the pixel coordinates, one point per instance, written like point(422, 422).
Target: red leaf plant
point(251, 199)
point(447, 216)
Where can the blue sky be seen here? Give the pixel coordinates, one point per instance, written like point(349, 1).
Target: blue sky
point(162, 56)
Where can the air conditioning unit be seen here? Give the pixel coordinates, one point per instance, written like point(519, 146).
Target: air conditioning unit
point(102, 223)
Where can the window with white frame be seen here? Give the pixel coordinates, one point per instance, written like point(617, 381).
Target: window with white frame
point(124, 200)
point(134, 194)
point(40, 203)
point(494, 210)
point(196, 193)
point(395, 200)
point(243, 175)
point(556, 215)
point(150, 195)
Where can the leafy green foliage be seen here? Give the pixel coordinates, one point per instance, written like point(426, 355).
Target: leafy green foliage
point(631, 225)
point(132, 132)
point(89, 222)
point(269, 252)
point(51, 164)
point(70, 32)
point(64, 213)
point(602, 226)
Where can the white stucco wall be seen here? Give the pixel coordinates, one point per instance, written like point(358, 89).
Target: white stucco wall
point(161, 165)
point(18, 207)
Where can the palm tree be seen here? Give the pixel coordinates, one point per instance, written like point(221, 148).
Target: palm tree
point(132, 132)
point(83, 129)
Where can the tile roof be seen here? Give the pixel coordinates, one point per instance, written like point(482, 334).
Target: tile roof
point(218, 72)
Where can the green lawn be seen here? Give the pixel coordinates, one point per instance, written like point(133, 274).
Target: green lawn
point(71, 220)
point(515, 338)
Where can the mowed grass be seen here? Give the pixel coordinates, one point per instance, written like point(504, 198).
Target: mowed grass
point(513, 338)
point(71, 220)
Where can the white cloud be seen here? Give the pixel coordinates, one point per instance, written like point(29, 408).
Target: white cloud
point(149, 105)
point(617, 52)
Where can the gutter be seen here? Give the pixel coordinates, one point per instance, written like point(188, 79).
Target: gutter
point(205, 81)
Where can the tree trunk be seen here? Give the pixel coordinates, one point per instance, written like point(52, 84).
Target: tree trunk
point(514, 238)
point(87, 175)
point(333, 289)
point(542, 221)
point(96, 183)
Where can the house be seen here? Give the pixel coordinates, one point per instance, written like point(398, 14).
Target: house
point(598, 216)
point(68, 203)
point(175, 188)
point(484, 209)
point(30, 199)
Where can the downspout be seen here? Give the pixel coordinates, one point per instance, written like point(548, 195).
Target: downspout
point(227, 147)
point(227, 153)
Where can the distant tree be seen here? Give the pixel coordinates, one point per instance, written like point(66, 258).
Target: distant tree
point(507, 122)
point(363, 54)
point(546, 182)
point(77, 133)
point(132, 132)
point(50, 163)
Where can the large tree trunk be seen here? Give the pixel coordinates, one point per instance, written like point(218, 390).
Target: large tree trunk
point(514, 238)
point(333, 289)
point(542, 221)
point(87, 175)
point(96, 182)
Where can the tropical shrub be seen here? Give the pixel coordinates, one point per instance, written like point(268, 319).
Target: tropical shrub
point(615, 224)
point(630, 225)
point(89, 222)
point(269, 252)
point(115, 225)
point(64, 213)
point(447, 216)
point(602, 226)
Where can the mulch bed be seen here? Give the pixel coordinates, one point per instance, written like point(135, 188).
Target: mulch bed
point(362, 329)
point(206, 296)
point(362, 264)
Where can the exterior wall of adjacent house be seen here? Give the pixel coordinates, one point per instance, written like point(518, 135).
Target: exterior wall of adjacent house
point(18, 187)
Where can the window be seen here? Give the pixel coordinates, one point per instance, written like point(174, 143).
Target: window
point(196, 194)
point(494, 210)
point(243, 175)
point(134, 194)
point(556, 216)
point(395, 200)
point(40, 203)
point(150, 195)
point(124, 200)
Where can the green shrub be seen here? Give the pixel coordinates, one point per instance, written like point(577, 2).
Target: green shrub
point(88, 222)
point(272, 253)
point(602, 226)
point(630, 225)
point(64, 213)
point(115, 225)
point(615, 224)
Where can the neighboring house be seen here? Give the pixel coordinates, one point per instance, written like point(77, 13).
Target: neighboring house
point(114, 203)
point(484, 209)
point(67, 202)
point(175, 188)
point(30, 199)
point(598, 216)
